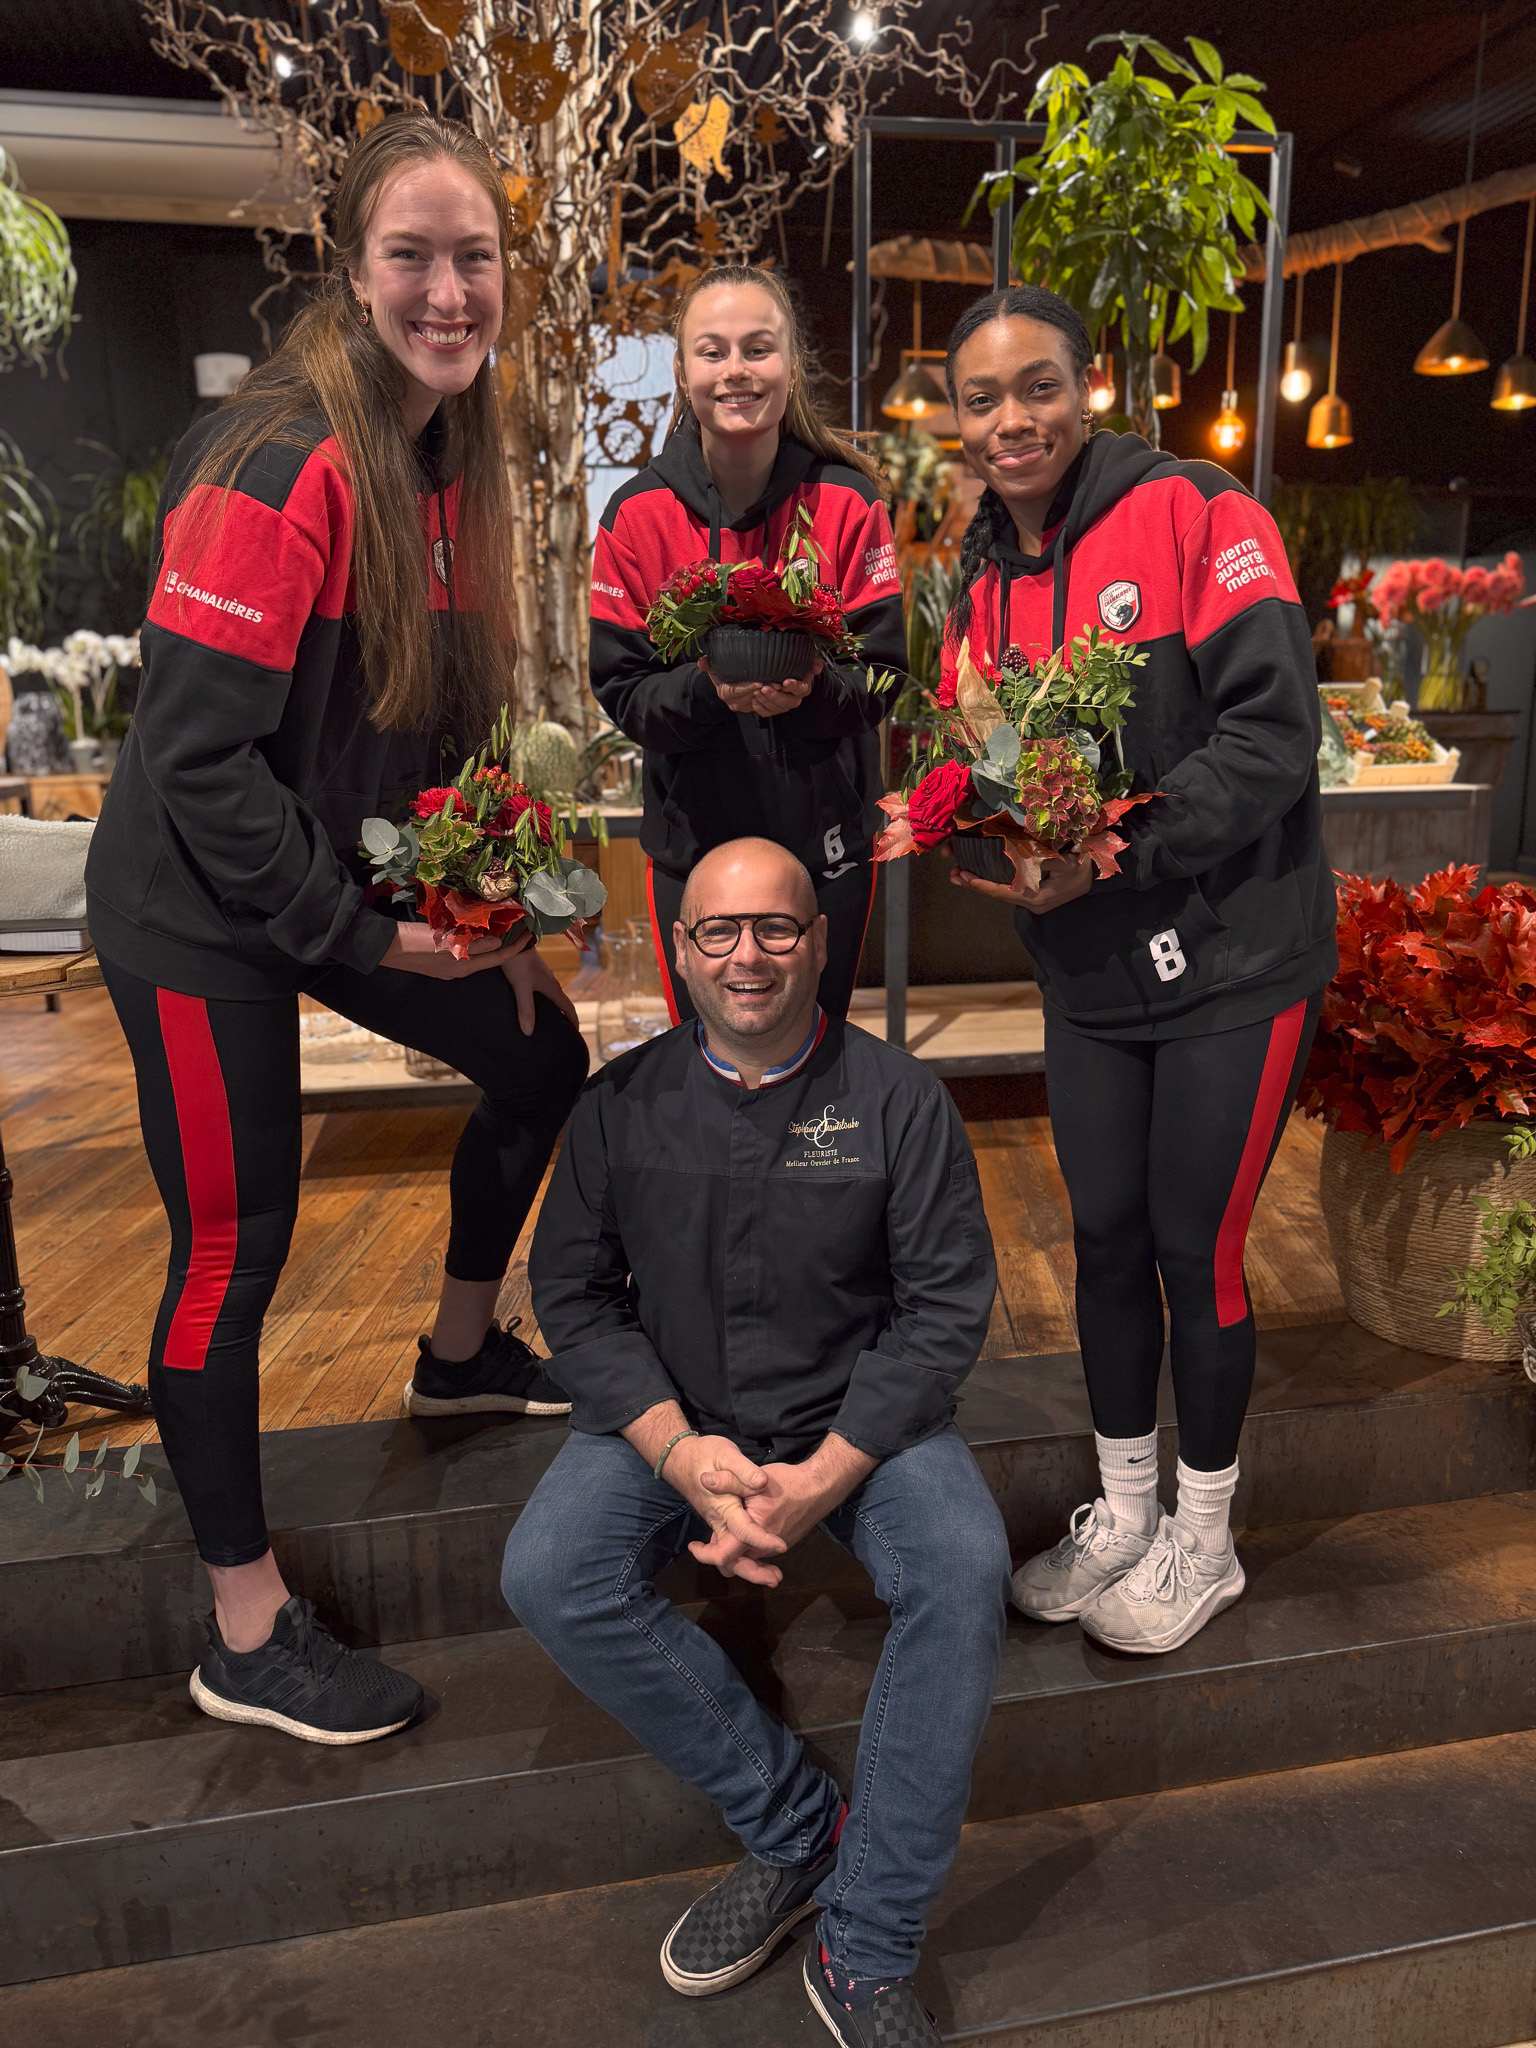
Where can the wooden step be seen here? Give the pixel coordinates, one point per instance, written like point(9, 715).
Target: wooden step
point(396, 1528)
point(132, 1827)
point(1385, 1903)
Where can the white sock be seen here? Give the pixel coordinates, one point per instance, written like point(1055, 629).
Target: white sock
point(1205, 1506)
point(1128, 1474)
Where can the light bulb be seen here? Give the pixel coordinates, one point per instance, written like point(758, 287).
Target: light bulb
point(282, 65)
point(1229, 433)
point(863, 28)
point(1101, 384)
point(1296, 383)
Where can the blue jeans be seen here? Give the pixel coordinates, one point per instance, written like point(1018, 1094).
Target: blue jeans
point(578, 1573)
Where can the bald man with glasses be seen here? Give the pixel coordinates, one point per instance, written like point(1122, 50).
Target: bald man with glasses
point(763, 1271)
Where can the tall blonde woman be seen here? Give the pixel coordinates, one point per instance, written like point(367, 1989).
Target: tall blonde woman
point(327, 633)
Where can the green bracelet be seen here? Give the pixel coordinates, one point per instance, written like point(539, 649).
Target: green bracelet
point(671, 1447)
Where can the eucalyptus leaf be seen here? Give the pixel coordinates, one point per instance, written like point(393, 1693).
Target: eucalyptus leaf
point(29, 1384)
point(542, 893)
point(1004, 747)
point(34, 1480)
point(380, 837)
point(131, 1461)
point(6, 1462)
point(71, 1459)
point(147, 1489)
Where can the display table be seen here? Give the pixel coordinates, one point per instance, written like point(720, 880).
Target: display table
point(1409, 831)
point(66, 796)
point(23, 974)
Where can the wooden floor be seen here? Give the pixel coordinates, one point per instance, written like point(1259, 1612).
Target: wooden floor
point(373, 1217)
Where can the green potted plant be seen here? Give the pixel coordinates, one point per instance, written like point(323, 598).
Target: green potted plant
point(117, 524)
point(1132, 207)
point(1425, 1059)
point(37, 275)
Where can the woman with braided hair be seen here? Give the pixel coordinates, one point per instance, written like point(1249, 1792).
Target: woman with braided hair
point(1181, 994)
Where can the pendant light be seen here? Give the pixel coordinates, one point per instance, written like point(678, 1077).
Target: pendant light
point(917, 393)
point(1167, 385)
point(1296, 380)
point(1229, 432)
point(1514, 388)
point(1329, 424)
point(1454, 350)
point(1101, 378)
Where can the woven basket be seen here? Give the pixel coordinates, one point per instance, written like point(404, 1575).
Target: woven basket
point(1395, 1236)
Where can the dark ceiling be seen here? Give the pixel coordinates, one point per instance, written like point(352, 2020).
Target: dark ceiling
point(1385, 87)
point(1378, 94)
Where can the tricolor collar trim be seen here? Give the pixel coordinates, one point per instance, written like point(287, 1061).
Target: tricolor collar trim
point(774, 1075)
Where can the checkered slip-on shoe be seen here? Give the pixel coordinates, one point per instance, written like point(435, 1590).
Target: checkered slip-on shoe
point(894, 2017)
point(728, 1935)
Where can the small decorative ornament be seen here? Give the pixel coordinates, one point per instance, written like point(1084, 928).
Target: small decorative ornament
point(667, 71)
point(368, 116)
point(534, 77)
point(768, 129)
point(1120, 605)
point(421, 34)
point(701, 133)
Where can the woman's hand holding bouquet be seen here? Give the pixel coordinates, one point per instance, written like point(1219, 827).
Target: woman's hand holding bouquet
point(1018, 756)
point(484, 862)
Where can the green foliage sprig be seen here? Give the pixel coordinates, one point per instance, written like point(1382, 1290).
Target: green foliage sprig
point(1499, 1281)
point(37, 275)
point(98, 1472)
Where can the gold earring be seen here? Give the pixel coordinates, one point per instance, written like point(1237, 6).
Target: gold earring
point(362, 311)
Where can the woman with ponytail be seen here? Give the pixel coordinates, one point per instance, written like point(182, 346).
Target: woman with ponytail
point(795, 762)
point(327, 633)
point(1181, 994)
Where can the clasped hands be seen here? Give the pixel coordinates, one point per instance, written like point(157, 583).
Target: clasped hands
point(763, 700)
point(759, 1512)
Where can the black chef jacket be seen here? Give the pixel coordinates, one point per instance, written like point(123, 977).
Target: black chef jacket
point(781, 1261)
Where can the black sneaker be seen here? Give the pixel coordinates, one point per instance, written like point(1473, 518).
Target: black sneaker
point(302, 1681)
point(894, 2017)
point(732, 1931)
point(503, 1378)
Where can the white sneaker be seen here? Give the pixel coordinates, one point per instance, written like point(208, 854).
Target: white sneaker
point(1167, 1598)
point(1058, 1584)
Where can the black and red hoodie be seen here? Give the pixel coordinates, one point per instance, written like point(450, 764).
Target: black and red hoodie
point(220, 864)
point(809, 778)
point(1223, 913)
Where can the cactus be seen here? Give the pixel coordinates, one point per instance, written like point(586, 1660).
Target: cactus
point(545, 757)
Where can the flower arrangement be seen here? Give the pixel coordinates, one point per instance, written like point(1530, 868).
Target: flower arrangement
point(1445, 604)
point(1389, 735)
point(1354, 590)
point(85, 667)
point(1430, 1021)
point(787, 598)
point(1020, 751)
point(481, 853)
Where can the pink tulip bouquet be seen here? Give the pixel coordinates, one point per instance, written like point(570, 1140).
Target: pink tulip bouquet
point(1445, 604)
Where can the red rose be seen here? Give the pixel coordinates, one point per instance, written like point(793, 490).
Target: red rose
point(430, 802)
point(505, 821)
point(934, 804)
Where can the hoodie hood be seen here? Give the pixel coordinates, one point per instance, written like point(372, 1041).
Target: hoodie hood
point(1108, 469)
point(681, 467)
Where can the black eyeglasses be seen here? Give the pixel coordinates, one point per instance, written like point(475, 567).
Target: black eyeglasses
point(717, 937)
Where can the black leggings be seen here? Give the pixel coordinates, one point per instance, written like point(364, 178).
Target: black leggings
point(845, 902)
point(1164, 1148)
point(219, 1107)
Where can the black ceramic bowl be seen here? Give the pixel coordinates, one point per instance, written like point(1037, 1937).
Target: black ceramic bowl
point(754, 654)
point(981, 853)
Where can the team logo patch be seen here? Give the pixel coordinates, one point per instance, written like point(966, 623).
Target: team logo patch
point(442, 560)
point(1120, 605)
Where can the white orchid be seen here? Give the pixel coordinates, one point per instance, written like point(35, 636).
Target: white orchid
point(86, 664)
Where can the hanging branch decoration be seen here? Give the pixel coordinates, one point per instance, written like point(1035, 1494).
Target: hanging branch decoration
point(586, 108)
point(37, 275)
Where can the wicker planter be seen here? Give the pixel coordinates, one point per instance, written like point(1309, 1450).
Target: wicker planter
point(1395, 1237)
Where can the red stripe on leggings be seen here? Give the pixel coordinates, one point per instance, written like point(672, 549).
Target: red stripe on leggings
point(1268, 1108)
point(208, 1161)
point(661, 958)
